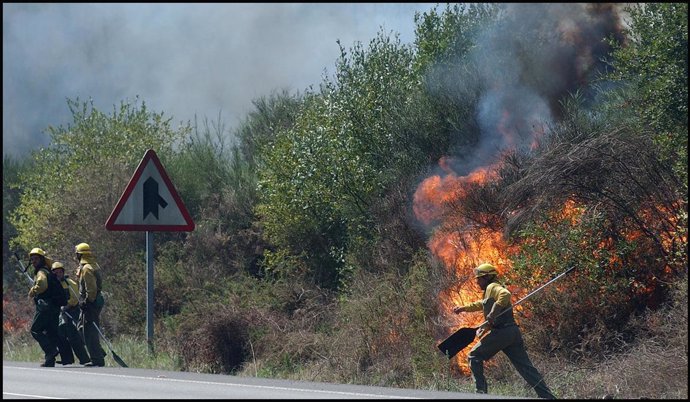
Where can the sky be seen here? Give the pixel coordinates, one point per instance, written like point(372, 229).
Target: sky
point(182, 59)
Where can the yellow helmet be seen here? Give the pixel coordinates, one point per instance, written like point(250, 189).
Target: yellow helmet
point(484, 270)
point(82, 248)
point(38, 251)
point(57, 265)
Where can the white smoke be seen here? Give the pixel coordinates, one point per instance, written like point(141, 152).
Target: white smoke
point(179, 58)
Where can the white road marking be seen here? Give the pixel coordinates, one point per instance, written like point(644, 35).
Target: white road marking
point(31, 396)
point(317, 391)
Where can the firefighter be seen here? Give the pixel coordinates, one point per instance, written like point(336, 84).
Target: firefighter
point(70, 340)
point(44, 326)
point(91, 302)
point(504, 333)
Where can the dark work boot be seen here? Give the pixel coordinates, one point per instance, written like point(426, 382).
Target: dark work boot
point(50, 359)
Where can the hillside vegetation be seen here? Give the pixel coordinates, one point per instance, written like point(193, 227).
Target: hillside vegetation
point(337, 228)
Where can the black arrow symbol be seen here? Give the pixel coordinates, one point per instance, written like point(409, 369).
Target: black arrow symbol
point(151, 198)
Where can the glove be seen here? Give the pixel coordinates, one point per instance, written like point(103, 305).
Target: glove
point(481, 330)
point(63, 308)
point(32, 293)
point(458, 309)
point(495, 311)
point(42, 305)
point(83, 305)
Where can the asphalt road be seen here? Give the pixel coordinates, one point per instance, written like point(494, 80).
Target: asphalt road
point(22, 380)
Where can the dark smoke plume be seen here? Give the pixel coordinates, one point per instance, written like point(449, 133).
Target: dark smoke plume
point(534, 56)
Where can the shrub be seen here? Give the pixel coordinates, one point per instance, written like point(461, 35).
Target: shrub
point(217, 345)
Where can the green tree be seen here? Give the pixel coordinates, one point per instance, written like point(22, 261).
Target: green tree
point(216, 175)
point(450, 79)
point(219, 184)
point(273, 114)
point(72, 185)
point(448, 36)
point(321, 176)
point(11, 171)
point(364, 134)
point(654, 65)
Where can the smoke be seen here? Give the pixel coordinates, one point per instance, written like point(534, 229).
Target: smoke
point(526, 63)
point(181, 59)
point(517, 72)
point(520, 69)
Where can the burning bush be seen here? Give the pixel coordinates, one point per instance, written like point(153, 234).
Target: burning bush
point(591, 195)
point(17, 311)
point(600, 199)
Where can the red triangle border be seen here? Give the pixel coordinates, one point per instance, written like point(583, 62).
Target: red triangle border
point(150, 155)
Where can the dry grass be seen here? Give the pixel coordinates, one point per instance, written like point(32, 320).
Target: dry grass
point(654, 366)
point(374, 344)
point(379, 339)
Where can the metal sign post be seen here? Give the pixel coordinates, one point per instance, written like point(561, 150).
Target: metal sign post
point(149, 290)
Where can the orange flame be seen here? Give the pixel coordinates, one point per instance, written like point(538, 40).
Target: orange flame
point(435, 192)
point(459, 251)
point(461, 245)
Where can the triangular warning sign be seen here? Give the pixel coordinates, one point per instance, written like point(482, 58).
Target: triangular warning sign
point(150, 202)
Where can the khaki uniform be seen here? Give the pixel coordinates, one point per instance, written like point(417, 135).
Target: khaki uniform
point(67, 327)
point(90, 286)
point(504, 336)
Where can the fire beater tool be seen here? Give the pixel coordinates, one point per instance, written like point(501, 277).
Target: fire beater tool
point(464, 336)
point(21, 264)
